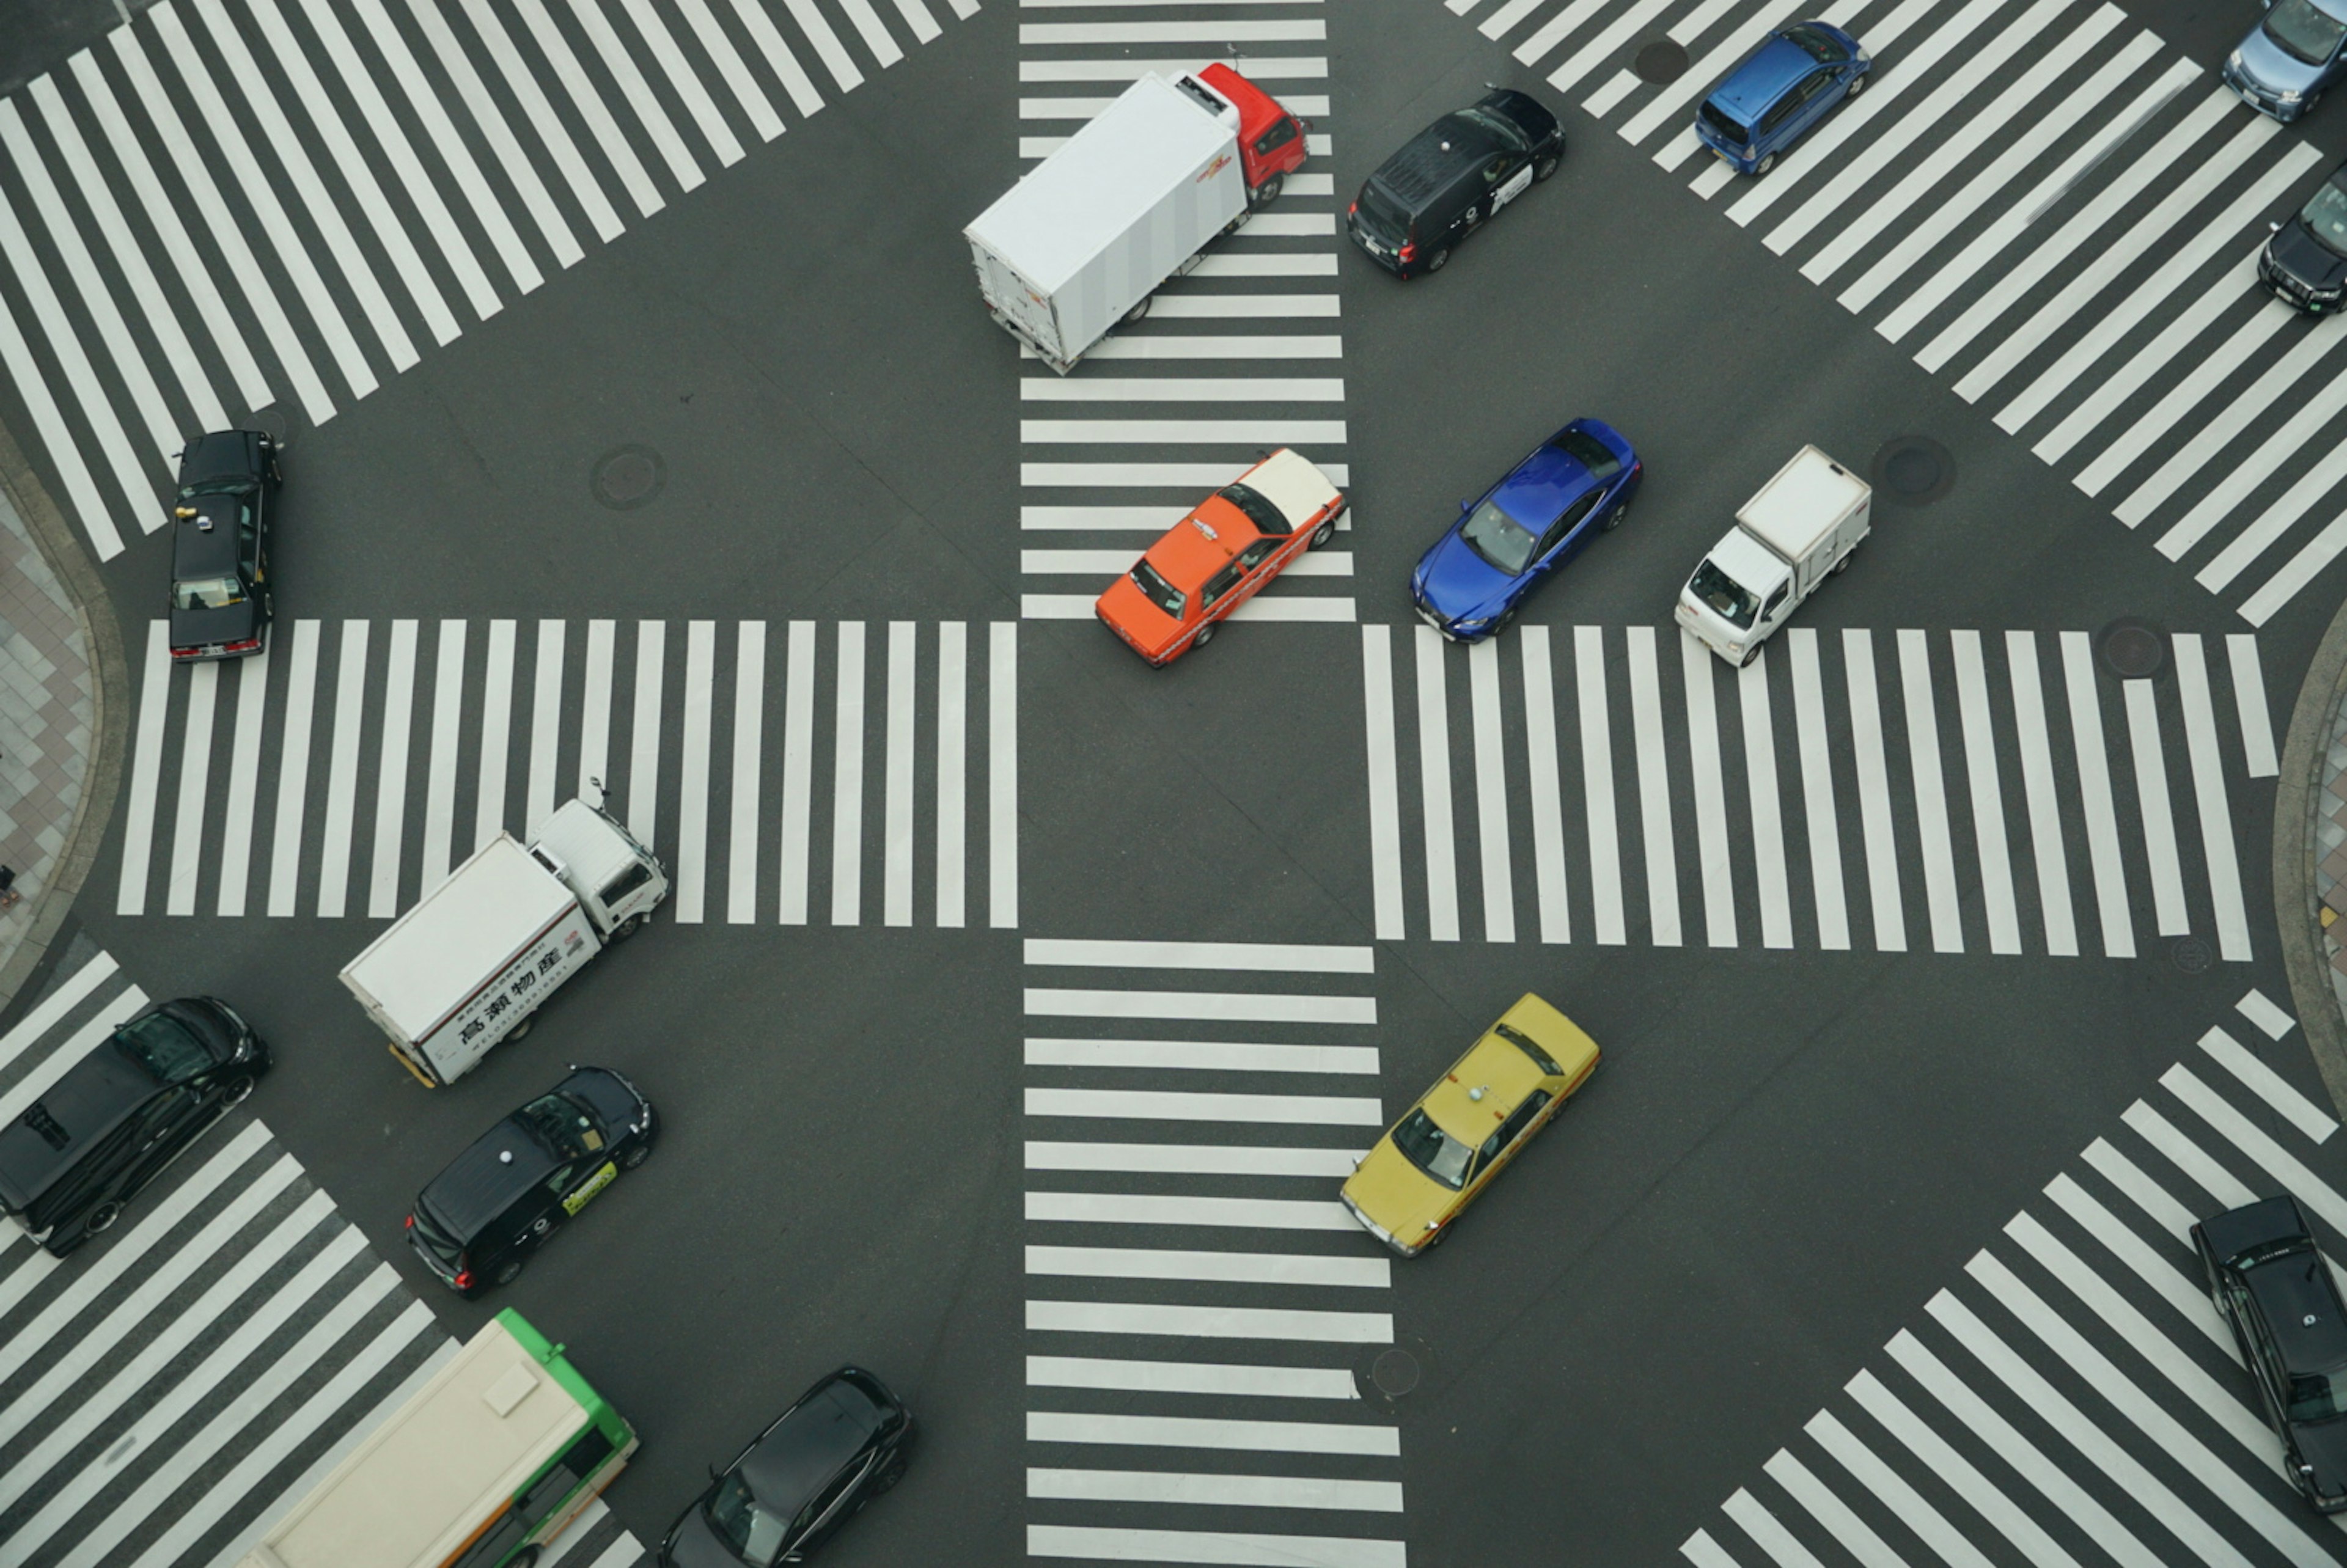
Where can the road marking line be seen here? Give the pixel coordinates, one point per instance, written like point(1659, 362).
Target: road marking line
point(644, 730)
point(691, 890)
point(1823, 824)
point(1653, 787)
point(146, 771)
point(497, 726)
point(1191, 1377)
point(2259, 1009)
point(552, 134)
point(2257, 1143)
point(730, 65)
point(1213, 1055)
point(2182, 327)
point(1767, 1532)
point(1183, 1105)
point(1003, 774)
point(1197, 1432)
point(1672, 105)
point(1434, 788)
point(616, 150)
point(798, 767)
point(1714, 873)
point(1215, 31)
point(896, 831)
point(621, 62)
point(1604, 44)
point(749, 756)
point(1903, 1500)
point(2037, 783)
point(2269, 319)
point(58, 438)
point(1597, 782)
point(1315, 1326)
point(2241, 480)
point(1138, 1209)
point(1184, 388)
point(848, 781)
point(1261, 1007)
point(595, 723)
point(1554, 30)
point(1301, 957)
point(447, 717)
point(1268, 432)
point(70, 994)
point(195, 776)
point(1702, 1551)
point(1192, 1159)
point(1235, 1267)
point(2094, 796)
point(1547, 802)
point(2190, 1299)
point(1384, 781)
point(2151, 794)
point(243, 782)
point(1216, 1490)
point(2186, 1156)
point(953, 771)
point(2148, 1194)
point(1853, 1533)
point(1931, 793)
point(544, 726)
point(1767, 819)
point(2208, 794)
point(1102, 1541)
point(1490, 792)
point(1987, 792)
point(391, 772)
point(779, 58)
point(292, 770)
point(2250, 704)
point(343, 770)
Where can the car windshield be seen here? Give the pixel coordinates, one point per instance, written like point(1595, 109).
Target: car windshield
point(1821, 45)
point(1540, 1058)
point(1498, 125)
point(1589, 452)
point(1267, 518)
point(1432, 1150)
point(562, 1125)
point(1724, 124)
point(1499, 538)
point(1382, 215)
point(754, 1532)
point(229, 484)
point(439, 1242)
point(1157, 590)
point(1730, 598)
point(2318, 1396)
point(2325, 217)
point(164, 1048)
point(2302, 29)
point(206, 593)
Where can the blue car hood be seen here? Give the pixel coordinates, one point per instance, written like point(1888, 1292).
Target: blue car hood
point(2269, 65)
point(1456, 582)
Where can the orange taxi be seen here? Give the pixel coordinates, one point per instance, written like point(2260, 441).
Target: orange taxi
point(1216, 559)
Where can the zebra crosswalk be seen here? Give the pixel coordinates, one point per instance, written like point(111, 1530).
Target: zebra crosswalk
point(376, 176)
point(1197, 1300)
point(362, 760)
point(1867, 790)
point(2075, 1389)
point(2060, 216)
point(1242, 354)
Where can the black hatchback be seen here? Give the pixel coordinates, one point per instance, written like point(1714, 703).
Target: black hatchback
point(2305, 262)
point(844, 1443)
point(529, 1176)
point(97, 1137)
point(221, 599)
point(1451, 178)
point(2271, 1282)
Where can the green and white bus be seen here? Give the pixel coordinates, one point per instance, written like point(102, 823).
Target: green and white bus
point(485, 1465)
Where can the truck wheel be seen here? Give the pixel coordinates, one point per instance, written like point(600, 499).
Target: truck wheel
point(1842, 564)
point(1749, 655)
point(1266, 193)
point(101, 1218)
point(1140, 309)
point(1322, 534)
point(521, 1029)
point(1764, 166)
point(628, 927)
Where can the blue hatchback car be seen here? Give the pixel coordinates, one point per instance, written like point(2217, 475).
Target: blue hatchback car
point(1575, 483)
point(2296, 50)
point(1780, 91)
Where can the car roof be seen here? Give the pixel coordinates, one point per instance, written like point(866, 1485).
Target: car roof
point(1542, 485)
point(1763, 76)
point(220, 454)
point(97, 1095)
point(1186, 557)
point(479, 1184)
point(202, 550)
point(1497, 1067)
point(2300, 1304)
point(1258, 110)
point(2252, 1225)
point(1426, 162)
point(828, 1426)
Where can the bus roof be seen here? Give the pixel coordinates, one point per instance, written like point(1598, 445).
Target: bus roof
point(444, 1464)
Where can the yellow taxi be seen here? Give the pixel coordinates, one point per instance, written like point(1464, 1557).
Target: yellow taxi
point(1431, 1164)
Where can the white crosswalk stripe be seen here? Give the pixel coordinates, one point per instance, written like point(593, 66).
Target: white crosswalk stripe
point(2085, 1294)
point(109, 410)
point(1171, 1308)
point(1961, 785)
point(2057, 214)
point(1240, 306)
point(719, 747)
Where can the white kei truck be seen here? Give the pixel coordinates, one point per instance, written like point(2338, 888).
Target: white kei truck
point(477, 956)
point(1797, 532)
point(1086, 237)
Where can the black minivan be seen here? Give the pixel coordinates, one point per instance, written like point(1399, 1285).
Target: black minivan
point(1451, 177)
point(121, 1114)
point(528, 1177)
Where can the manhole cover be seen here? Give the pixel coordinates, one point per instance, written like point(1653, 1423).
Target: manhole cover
point(2191, 955)
point(1915, 469)
point(2133, 649)
point(272, 421)
point(1396, 1372)
point(1660, 62)
point(627, 477)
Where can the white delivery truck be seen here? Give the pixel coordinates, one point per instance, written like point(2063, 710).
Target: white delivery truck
point(1793, 535)
point(1127, 202)
point(468, 965)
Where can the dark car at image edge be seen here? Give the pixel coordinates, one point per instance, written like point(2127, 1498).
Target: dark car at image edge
point(2273, 1287)
point(2305, 264)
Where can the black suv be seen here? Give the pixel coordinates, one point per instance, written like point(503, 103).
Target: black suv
point(121, 1114)
point(528, 1177)
point(220, 600)
point(1451, 176)
point(2272, 1286)
point(2305, 262)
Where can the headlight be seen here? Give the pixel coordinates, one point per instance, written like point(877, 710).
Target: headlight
point(1475, 623)
point(2288, 96)
point(1733, 650)
point(2233, 61)
point(1749, 152)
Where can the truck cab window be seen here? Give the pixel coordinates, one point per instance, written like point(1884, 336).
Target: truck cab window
point(625, 882)
point(1776, 602)
point(1281, 133)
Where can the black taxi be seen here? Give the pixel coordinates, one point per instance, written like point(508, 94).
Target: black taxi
point(1453, 177)
point(528, 1177)
point(221, 597)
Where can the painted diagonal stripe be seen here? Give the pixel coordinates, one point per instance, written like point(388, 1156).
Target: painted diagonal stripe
point(2264, 1081)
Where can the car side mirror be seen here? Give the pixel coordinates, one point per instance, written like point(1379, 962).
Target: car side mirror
point(1465, 507)
point(713, 1474)
point(2274, 226)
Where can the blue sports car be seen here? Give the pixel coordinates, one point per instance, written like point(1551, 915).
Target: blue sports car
point(1576, 483)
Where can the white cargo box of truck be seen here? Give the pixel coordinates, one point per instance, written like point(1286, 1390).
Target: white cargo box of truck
point(475, 956)
point(1125, 204)
point(1798, 531)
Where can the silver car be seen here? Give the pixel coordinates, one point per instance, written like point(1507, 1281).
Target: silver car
point(2289, 57)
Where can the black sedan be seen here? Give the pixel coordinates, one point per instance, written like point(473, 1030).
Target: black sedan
point(221, 599)
point(1453, 177)
point(841, 1445)
point(2271, 1284)
point(2305, 262)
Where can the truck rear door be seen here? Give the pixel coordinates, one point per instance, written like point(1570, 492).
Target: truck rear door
point(1029, 312)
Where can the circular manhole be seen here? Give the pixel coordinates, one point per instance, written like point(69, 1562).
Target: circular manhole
point(1661, 62)
point(1395, 1372)
point(271, 421)
point(2133, 649)
point(2191, 955)
point(627, 477)
point(1915, 470)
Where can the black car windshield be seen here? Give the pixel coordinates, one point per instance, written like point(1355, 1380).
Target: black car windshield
point(1382, 215)
point(436, 1241)
point(206, 593)
point(1499, 125)
point(1498, 538)
point(2325, 217)
point(745, 1524)
point(1267, 518)
point(164, 1048)
point(2304, 30)
point(2318, 1396)
point(562, 1125)
point(1720, 121)
point(1821, 45)
point(1733, 603)
point(234, 484)
point(1157, 590)
point(1432, 1150)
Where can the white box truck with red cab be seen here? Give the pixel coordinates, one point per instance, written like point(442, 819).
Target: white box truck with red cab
point(1127, 202)
point(1798, 531)
point(477, 956)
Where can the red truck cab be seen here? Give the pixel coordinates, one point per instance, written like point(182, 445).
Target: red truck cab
point(1271, 140)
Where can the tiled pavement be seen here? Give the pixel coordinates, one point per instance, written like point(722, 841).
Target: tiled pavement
point(48, 720)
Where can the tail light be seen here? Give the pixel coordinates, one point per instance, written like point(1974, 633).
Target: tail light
point(464, 1280)
point(1408, 252)
point(248, 645)
point(1353, 210)
point(183, 652)
point(411, 1221)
